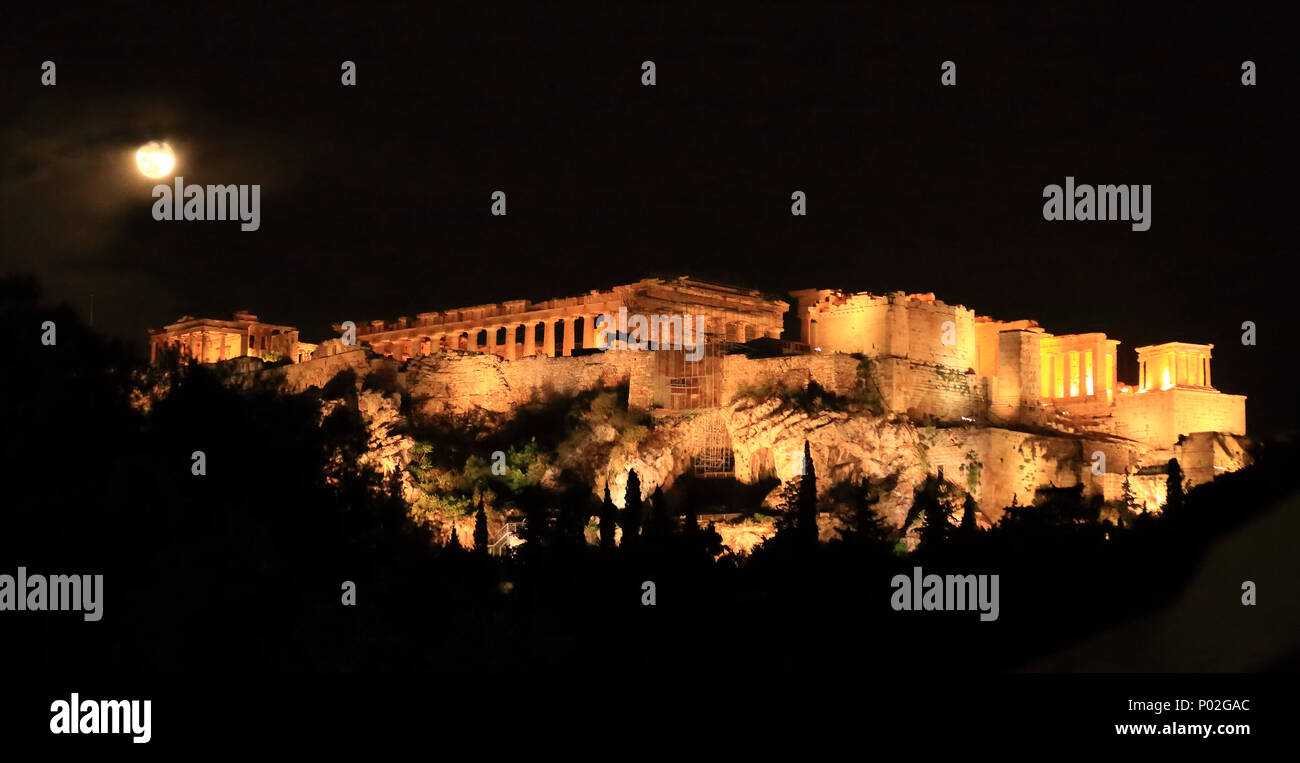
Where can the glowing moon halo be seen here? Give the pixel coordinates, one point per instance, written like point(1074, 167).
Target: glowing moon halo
point(155, 159)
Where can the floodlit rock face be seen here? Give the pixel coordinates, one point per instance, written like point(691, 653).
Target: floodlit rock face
point(454, 382)
point(768, 438)
point(388, 443)
point(765, 411)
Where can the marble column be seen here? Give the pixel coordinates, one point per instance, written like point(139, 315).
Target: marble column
point(588, 332)
point(472, 344)
point(530, 339)
point(492, 340)
point(568, 336)
point(512, 348)
point(548, 341)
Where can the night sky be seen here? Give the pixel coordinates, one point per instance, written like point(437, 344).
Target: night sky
point(375, 198)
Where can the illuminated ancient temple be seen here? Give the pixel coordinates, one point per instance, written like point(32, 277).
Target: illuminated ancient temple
point(558, 327)
point(211, 340)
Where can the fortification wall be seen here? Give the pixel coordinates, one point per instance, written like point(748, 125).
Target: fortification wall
point(930, 393)
point(834, 372)
point(1159, 417)
point(457, 382)
point(298, 377)
point(1205, 455)
point(1014, 389)
point(896, 325)
point(997, 465)
point(1149, 490)
point(860, 326)
point(926, 334)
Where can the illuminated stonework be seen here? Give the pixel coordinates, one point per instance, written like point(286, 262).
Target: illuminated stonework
point(559, 327)
point(210, 340)
point(1015, 373)
point(1002, 407)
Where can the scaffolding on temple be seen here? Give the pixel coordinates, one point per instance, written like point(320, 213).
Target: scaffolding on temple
point(690, 382)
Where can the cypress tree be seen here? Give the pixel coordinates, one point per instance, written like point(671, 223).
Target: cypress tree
point(1175, 495)
point(1130, 498)
point(806, 503)
point(935, 528)
point(608, 517)
point(969, 507)
point(632, 508)
point(480, 530)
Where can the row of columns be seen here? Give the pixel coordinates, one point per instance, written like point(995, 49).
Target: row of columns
point(1177, 367)
point(433, 342)
point(1077, 373)
point(671, 335)
point(204, 345)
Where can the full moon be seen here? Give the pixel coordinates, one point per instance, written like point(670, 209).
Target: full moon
point(155, 159)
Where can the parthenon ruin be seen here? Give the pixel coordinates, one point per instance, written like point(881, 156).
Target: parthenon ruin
point(559, 327)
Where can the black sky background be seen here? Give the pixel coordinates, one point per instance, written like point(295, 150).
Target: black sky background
point(375, 199)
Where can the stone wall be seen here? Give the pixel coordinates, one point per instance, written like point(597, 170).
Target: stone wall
point(1205, 455)
point(1159, 417)
point(834, 372)
point(298, 377)
point(317, 372)
point(457, 382)
point(1149, 490)
point(997, 465)
point(927, 392)
point(1015, 383)
point(926, 334)
point(894, 325)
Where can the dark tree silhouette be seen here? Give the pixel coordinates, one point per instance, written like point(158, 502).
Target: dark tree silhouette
point(863, 523)
point(1175, 493)
point(660, 523)
point(632, 508)
point(969, 507)
point(1129, 497)
point(806, 503)
point(936, 526)
point(480, 529)
point(711, 540)
point(691, 525)
point(608, 518)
